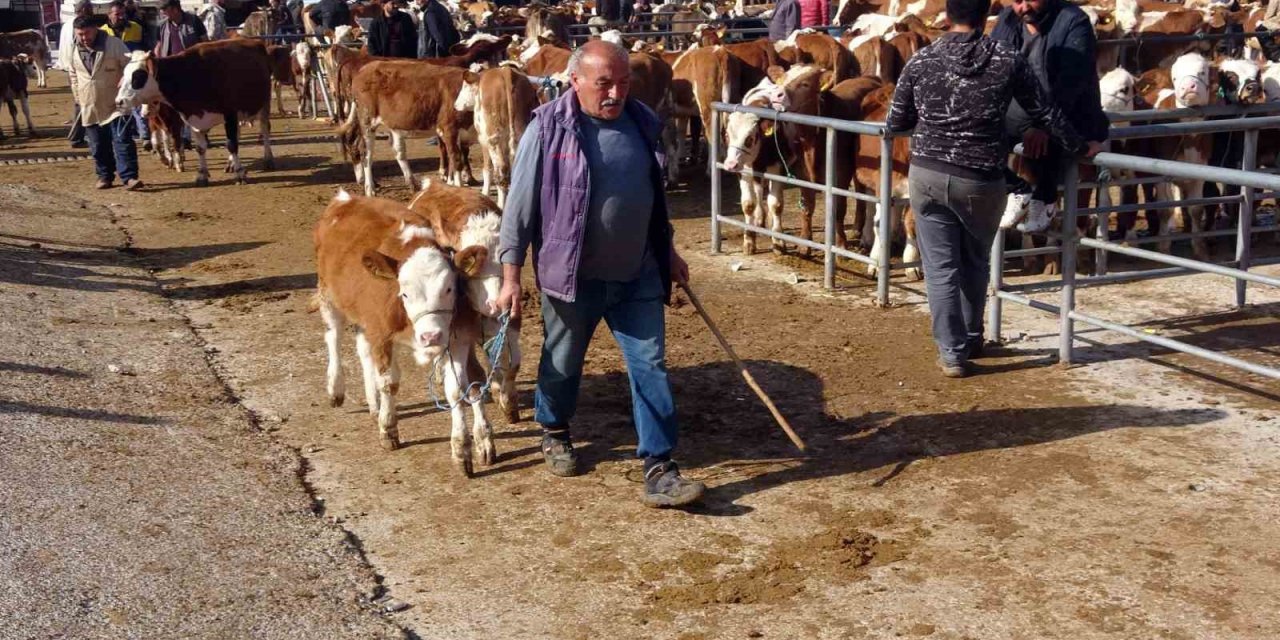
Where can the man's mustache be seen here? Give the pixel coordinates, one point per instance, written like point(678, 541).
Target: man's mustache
point(610, 102)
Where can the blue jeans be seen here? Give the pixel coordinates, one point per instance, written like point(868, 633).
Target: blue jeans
point(633, 311)
point(111, 145)
point(140, 121)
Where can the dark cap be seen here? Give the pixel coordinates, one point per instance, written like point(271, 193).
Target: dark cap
point(171, 3)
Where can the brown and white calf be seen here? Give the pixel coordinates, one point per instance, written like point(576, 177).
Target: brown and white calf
point(762, 144)
point(1187, 83)
point(503, 101)
point(700, 77)
point(234, 81)
point(469, 224)
point(380, 270)
point(166, 134)
point(875, 108)
point(27, 47)
point(13, 90)
point(409, 98)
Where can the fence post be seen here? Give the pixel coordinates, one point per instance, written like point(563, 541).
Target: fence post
point(1244, 227)
point(713, 152)
point(1103, 231)
point(884, 229)
point(1070, 247)
point(829, 211)
point(994, 283)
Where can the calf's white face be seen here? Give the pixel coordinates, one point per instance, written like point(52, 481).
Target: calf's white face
point(137, 86)
point(745, 132)
point(428, 291)
point(1116, 88)
point(478, 261)
point(1191, 80)
point(466, 100)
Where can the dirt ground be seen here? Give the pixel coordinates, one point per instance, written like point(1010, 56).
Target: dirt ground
point(1130, 497)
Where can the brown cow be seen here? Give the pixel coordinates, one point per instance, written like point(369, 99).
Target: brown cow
point(762, 144)
point(875, 108)
point(234, 81)
point(651, 84)
point(407, 97)
point(380, 270)
point(503, 101)
point(469, 224)
point(821, 50)
point(29, 43)
point(700, 77)
point(545, 58)
point(13, 87)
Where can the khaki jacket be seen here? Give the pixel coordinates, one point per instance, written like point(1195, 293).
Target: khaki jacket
point(96, 92)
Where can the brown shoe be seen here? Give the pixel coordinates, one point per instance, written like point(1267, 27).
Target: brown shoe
point(103, 184)
point(132, 184)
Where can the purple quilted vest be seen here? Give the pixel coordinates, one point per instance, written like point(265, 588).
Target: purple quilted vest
point(566, 183)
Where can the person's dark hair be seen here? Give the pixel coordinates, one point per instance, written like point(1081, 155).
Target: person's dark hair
point(972, 13)
point(172, 3)
point(84, 22)
point(84, 9)
point(117, 4)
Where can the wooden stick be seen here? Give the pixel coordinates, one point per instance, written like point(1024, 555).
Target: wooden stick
point(742, 368)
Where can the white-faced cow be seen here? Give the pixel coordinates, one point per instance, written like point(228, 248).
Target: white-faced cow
point(27, 47)
point(503, 101)
point(209, 84)
point(468, 224)
point(381, 271)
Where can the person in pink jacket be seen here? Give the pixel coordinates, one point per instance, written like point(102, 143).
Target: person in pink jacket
point(813, 13)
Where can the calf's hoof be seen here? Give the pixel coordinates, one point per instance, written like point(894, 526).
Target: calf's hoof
point(1051, 268)
point(336, 401)
point(202, 180)
point(242, 178)
point(915, 273)
point(465, 465)
point(389, 439)
point(486, 452)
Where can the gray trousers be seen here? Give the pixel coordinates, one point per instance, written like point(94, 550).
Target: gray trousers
point(956, 220)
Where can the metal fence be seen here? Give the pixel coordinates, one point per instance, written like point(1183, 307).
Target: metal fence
point(883, 197)
point(1253, 184)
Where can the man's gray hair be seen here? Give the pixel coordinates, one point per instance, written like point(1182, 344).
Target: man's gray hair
point(602, 48)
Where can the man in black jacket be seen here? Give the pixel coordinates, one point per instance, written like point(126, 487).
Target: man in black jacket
point(438, 33)
point(393, 33)
point(328, 15)
point(954, 94)
point(1058, 41)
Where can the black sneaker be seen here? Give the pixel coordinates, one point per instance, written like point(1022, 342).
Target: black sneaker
point(559, 456)
point(665, 487)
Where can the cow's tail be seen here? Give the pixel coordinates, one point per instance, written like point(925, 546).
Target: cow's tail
point(349, 137)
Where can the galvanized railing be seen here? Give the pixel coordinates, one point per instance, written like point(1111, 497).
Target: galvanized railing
point(883, 197)
point(1071, 241)
point(1252, 182)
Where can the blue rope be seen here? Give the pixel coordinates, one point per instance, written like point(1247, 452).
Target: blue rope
point(493, 348)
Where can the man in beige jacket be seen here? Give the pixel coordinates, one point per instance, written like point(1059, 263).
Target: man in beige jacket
point(96, 65)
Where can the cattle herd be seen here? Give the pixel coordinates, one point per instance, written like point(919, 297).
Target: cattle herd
point(425, 273)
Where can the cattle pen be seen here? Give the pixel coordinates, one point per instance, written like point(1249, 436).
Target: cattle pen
point(1253, 183)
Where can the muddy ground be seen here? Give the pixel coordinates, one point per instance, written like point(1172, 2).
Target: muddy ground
point(1132, 496)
